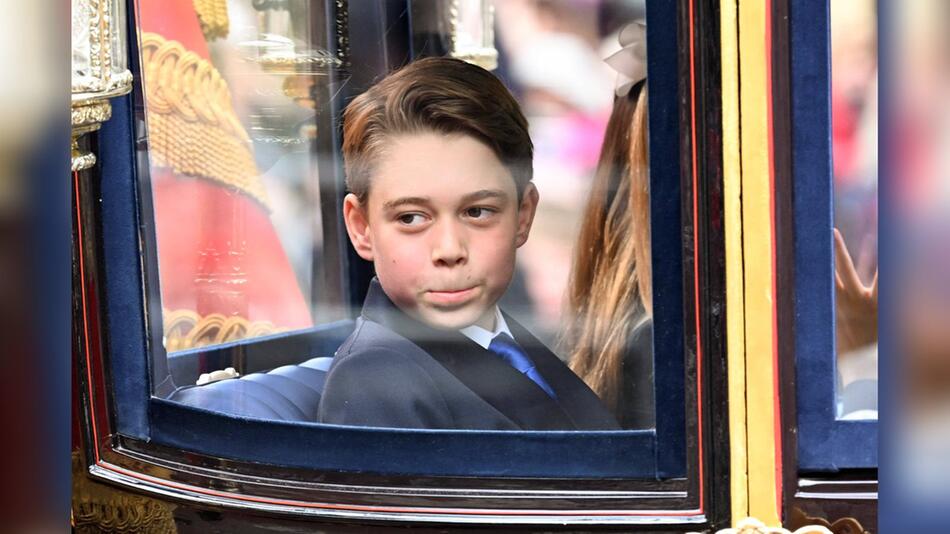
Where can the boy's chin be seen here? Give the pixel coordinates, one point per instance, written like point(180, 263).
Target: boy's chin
point(454, 320)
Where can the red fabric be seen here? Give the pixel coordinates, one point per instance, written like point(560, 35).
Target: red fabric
point(844, 128)
point(219, 253)
point(174, 19)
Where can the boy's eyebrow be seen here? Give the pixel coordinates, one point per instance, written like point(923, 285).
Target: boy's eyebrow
point(392, 204)
point(485, 193)
point(471, 197)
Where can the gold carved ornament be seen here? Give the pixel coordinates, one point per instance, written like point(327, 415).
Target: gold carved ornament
point(99, 70)
point(844, 525)
point(186, 329)
point(751, 525)
point(192, 126)
point(98, 508)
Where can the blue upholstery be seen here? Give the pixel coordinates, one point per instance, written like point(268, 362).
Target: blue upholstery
point(288, 393)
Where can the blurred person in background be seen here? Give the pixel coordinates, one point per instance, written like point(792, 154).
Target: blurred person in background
point(854, 149)
point(856, 322)
point(919, 184)
point(609, 334)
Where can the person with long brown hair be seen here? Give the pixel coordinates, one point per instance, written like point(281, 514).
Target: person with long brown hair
point(610, 335)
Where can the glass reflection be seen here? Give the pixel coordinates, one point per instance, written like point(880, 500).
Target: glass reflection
point(242, 260)
point(231, 133)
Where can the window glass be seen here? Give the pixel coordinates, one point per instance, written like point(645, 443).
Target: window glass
point(583, 281)
point(855, 163)
point(231, 92)
point(234, 124)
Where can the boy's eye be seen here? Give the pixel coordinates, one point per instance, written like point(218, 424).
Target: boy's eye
point(479, 212)
point(410, 219)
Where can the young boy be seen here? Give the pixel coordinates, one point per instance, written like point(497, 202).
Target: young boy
point(439, 165)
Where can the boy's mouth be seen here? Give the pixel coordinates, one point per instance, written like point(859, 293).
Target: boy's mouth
point(450, 296)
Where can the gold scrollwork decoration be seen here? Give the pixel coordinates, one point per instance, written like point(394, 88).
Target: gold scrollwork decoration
point(89, 116)
point(98, 69)
point(844, 525)
point(93, 22)
point(86, 118)
point(118, 85)
point(343, 32)
point(100, 508)
point(81, 160)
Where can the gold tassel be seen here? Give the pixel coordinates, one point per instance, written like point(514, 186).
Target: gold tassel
point(213, 16)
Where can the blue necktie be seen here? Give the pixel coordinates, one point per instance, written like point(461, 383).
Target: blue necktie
point(506, 347)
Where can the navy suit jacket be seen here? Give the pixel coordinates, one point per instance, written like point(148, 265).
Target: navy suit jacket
point(394, 371)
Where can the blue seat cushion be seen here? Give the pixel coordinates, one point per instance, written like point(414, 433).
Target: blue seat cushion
point(288, 393)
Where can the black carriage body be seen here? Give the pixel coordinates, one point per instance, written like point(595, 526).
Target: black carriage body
point(143, 462)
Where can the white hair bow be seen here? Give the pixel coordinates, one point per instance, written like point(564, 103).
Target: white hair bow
point(630, 61)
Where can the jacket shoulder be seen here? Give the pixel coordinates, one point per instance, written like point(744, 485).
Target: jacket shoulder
point(379, 378)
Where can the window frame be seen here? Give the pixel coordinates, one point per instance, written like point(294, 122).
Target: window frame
point(130, 436)
point(832, 482)
point(825, 443)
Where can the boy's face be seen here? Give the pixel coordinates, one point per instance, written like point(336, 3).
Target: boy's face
point(441, 224)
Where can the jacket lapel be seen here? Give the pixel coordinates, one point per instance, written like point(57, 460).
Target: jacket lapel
point(577, 401)
point(483, 372)
point(498, 383)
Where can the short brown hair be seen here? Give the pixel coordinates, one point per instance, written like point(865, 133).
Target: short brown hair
point(441, 95)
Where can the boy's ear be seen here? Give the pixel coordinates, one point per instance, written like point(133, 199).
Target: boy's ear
point(526, 211)
point(357, 226)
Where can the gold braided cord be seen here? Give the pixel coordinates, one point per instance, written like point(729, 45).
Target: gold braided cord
point(213, 16)
point(186, 329)
point(192, 126)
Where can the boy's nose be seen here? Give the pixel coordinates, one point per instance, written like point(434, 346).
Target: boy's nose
point(449, 248)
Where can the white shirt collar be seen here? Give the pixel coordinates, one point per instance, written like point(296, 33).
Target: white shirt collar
point(484, 337)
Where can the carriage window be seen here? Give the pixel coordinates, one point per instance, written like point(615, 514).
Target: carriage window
point(244, 170)
point(274, 346)
point(834, 147)
point(854, 149)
